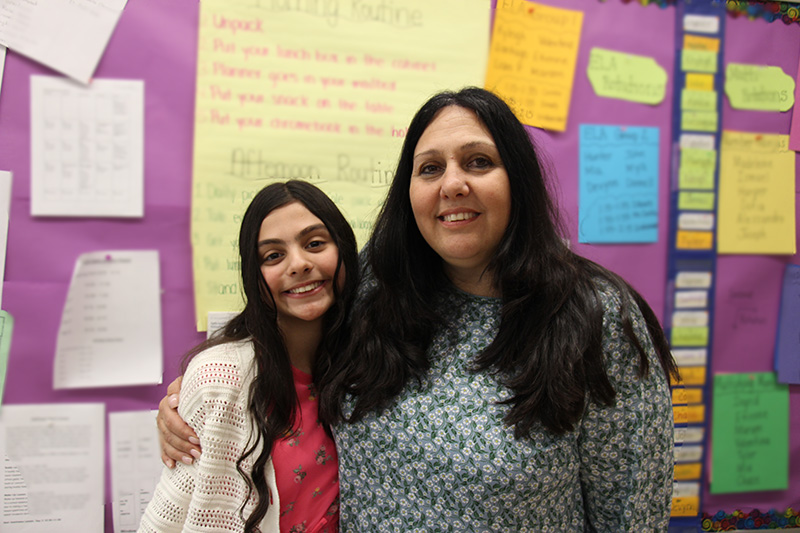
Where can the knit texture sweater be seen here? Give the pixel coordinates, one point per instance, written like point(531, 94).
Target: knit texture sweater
point(206, 496)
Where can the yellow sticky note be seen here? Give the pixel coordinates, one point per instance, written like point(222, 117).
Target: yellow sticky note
point(693, 120)
point(626, 76)
point(698, 61)
point(680, 414)
point(687, 471)
point(690, 336)
point(756, 213)
point(290, 94)
point(699, 82)
point(698, 100)
point(695, 201)
point(683, 395)
point(694, 240)
point(692, 376)
point(685, 506)
point(758, 87)
point(696, 169)
point(697, 42)
point(532, 60)
point(695, 414)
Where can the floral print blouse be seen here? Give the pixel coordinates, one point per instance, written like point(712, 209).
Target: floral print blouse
point(442, 459)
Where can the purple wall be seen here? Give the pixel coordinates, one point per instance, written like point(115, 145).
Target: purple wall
point(156, 41)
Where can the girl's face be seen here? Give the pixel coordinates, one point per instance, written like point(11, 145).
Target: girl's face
point(298, 262)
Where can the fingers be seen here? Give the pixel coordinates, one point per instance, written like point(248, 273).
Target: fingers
point(175, 386)
point(177, 440)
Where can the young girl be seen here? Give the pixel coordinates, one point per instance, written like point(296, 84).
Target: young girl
point(268, 464)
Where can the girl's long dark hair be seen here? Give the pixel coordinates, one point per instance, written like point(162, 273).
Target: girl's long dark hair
point(272, 399)
point(549, 343)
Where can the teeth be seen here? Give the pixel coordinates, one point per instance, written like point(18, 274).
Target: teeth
point(306, 288)
point(458, 216)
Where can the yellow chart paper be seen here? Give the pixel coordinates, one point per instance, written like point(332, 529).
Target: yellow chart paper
point(756, 211)
point(532, 60)
point(293, 90)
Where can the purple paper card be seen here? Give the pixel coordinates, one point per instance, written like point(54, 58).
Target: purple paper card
point(787, 345)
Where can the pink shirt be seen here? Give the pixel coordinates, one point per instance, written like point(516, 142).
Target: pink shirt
point(306, 469)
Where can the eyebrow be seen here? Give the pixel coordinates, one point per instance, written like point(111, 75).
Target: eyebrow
point(465, 146)
point(310, 229)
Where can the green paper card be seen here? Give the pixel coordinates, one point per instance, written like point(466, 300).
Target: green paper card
point(698, 61)
point(626, 76)
point(6, 325)
point(696, 169)
point(750, 433)
point(758, 87)
point(692, 100)
point(695, 201)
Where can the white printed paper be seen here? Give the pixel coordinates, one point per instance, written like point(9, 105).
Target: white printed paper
point(53, 468)
point(87, 148)
point(68, 36)
point(218, 320)
point(135, 466)
point(110, 333)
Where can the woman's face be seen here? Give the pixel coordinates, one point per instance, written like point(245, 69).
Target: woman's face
point(298, 262)
point(459, 192)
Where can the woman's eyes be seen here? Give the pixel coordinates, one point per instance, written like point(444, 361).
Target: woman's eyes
point(315, 244)
point(477, 162)
point(481, 162)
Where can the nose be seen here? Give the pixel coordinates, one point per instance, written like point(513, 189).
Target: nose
point(299, 263)
point(454, 183)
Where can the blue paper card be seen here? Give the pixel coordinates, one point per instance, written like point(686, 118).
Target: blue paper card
point(618, 184)
point(787, 343)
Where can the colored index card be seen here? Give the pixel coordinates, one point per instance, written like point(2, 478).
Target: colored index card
point(532, 60)
point(756, 212)
point(787, 344)
point(696, 170)
point(750, 433)
point(618, 184)
point(698, 100)
point(758, 87)
point(698, 61)
point(699, 82)
point(626, 76)
point(695, 201)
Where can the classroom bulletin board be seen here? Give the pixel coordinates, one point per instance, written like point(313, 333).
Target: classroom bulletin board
point(157, 41)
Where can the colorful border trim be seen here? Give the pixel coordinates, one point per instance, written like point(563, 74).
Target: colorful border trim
point(755, 519)
point(770, 11)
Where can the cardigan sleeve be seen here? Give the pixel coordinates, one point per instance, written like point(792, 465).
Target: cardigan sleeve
point(626, 449)
point(207, 495)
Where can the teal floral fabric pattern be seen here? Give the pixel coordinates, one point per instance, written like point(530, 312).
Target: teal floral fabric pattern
point(441, 458)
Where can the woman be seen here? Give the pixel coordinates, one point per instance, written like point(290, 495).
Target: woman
point(268, 464)
point(495, 381)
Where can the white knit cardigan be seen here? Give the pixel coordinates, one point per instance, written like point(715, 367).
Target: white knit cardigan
point(206, 496)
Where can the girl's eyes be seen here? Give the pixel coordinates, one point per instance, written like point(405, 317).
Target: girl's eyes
point(315, 244)
point(271, 257)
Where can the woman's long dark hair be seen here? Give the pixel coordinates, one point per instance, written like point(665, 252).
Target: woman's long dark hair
point(272, 399)
point(549, 343)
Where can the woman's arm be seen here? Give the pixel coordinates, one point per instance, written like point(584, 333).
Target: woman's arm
point(626, 450)
point(178, 441)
